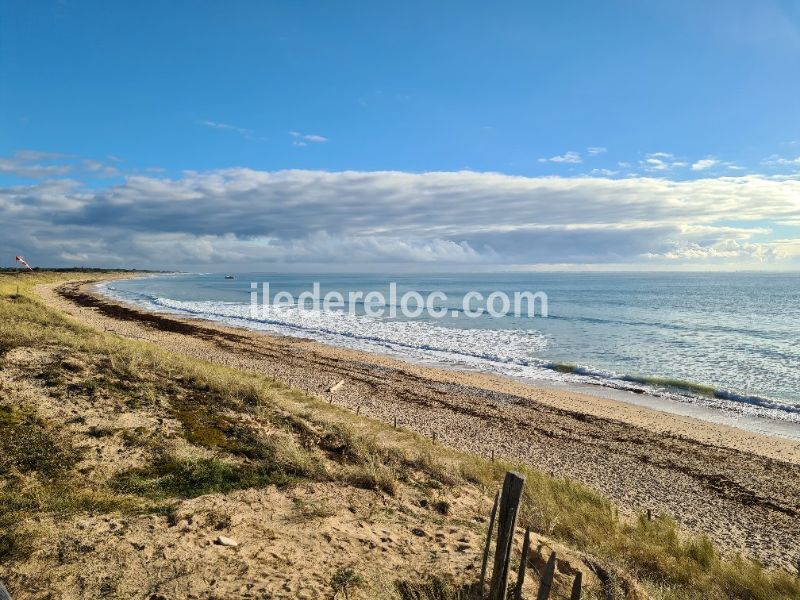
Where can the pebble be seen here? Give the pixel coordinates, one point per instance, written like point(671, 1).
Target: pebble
point(226, 541)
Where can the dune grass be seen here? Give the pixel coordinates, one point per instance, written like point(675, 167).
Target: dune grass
point(226, 411)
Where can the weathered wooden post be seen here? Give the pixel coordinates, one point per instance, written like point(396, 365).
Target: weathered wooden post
point(523, 564)
point(576, 587)
point(649, 514)
point(488, 543)
point(434, 437)
point(509, 506)
point(547, 579)
point(395, 421)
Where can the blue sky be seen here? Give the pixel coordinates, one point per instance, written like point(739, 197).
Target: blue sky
point(152, 102)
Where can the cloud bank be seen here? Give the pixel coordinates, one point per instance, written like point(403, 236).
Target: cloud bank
point(256, 219)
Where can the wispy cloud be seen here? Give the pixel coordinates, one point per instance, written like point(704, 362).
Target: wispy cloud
point(29, 164)
point(780, 161)
point(603, 172)
point(595, 150)
point(661, 161)
point(36, 164)
point(705, 163)
point(245, 133)
point(304, 139)
point(571, 157)
point(98, 168)
point(39, 155)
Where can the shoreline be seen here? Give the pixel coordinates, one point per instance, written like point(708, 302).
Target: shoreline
point(770, 428)
point(631, 397)
point(739, 487)
point(717, 405)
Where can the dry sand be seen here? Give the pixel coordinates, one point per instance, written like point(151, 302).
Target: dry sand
point(282, 542)
point(740, 488)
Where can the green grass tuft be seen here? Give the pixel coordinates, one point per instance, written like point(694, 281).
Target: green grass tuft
point(188, 478)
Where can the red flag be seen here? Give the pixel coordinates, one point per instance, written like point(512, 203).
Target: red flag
point(19, 259)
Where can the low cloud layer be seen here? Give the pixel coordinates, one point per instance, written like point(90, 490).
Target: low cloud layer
point(254, 219)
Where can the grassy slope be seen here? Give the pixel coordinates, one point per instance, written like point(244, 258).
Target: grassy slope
point(314, 441)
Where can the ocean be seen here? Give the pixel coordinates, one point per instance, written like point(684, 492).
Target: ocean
point(725, 344)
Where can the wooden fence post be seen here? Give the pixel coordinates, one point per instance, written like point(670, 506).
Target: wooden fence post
point(488, 543)
point(547, 578)
point(523, 564)
point(509, 506)
point(576, 587)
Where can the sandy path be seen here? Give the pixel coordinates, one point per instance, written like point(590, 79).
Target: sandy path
point(741, 488)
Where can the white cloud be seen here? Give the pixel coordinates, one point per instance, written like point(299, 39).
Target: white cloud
point(259, 218)
point(705, 163)
point(595, 150)
point(303, 139)
point(781, 161)
point(660, 161)
point(569, 157)
point(730, 249)
point(655, 164)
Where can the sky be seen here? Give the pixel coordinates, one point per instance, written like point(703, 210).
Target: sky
point(382, 136)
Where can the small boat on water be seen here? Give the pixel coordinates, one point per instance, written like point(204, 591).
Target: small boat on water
point(229, 277)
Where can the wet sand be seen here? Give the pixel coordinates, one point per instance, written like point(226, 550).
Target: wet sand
point(740, 488)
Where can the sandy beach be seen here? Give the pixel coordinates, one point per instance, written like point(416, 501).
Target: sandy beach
point(740, 488)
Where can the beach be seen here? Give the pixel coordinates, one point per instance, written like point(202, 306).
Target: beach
point(740, 488)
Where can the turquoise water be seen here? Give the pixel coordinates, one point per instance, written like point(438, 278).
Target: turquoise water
point(728, 341)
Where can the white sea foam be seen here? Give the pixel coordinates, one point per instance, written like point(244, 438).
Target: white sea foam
point(505, 346)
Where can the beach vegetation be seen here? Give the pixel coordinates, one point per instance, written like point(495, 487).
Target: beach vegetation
point(170, 476)
point(344, 581)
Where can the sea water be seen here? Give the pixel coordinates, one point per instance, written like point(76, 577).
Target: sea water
point(726, 342)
